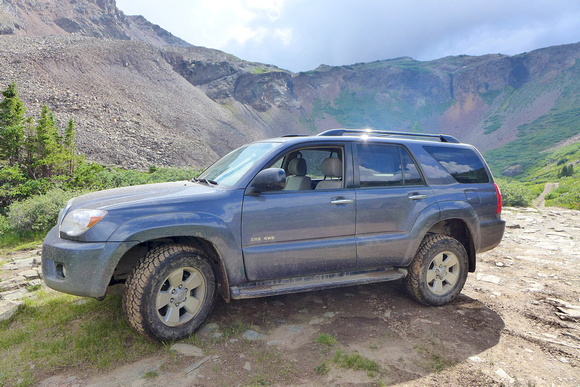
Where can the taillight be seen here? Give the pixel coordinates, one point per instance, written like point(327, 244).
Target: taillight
point(498, 195)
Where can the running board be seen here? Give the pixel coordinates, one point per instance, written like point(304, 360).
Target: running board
point(315, 282)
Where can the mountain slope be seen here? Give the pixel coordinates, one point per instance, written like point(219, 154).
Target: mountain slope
point(142, 96)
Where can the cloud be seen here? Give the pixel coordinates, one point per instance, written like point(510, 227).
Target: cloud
point(301, 34)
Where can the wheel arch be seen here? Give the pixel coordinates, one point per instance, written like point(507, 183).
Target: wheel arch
point(132, 257)
point(460, 230)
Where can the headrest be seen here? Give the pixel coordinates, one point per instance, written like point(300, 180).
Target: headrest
point(332, 167)
point(297, 167)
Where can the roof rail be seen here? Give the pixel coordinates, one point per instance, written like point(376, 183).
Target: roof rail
point(295, 135)
point(370, 132)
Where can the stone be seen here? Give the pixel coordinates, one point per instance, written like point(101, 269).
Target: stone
point(15, 295)
point(12, 283)
point(26, 263)
point(504, 375)
point(208, 329)
point(316, 321)
point(251, 335)
point(187, 350)
point(488, 278)
point(30, 274)
point(248, 366)
point(34, 283)
point(7, 309)
point(329, 314)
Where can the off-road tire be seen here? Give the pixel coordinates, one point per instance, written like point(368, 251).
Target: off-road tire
point(150, 285)
point(438, 272)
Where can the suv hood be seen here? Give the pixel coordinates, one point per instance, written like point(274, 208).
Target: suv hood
point(135, 195)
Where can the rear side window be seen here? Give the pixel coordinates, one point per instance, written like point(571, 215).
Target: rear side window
point(463, 164)
point(386, 166)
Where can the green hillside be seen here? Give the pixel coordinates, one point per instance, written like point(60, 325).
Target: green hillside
point(528, 155)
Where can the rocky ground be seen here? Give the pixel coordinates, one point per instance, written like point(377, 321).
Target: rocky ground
point(516, 323)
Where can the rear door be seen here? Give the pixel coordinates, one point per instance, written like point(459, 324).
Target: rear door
point(391, 194)
point(292, 233)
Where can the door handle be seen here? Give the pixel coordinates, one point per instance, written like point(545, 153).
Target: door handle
point(339, 201)
point(417, 196)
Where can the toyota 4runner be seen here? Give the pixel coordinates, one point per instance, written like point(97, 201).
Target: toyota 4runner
point(284, 215)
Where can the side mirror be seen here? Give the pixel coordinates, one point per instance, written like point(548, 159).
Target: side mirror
point(271, 179)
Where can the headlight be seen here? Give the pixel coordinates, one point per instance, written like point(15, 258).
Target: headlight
point(78, 221)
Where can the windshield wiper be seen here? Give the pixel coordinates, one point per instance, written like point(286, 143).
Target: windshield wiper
point(206, 181)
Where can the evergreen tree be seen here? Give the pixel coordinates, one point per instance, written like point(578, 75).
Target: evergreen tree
point(34, 157)
point(50, 157)
point(567, 170)
point(70, 145)
point(12, 123)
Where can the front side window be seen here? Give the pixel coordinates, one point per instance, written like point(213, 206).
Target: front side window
point(228, 170)
point(463, 164)
point(312, 168)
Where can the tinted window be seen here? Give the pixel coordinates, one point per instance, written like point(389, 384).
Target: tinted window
point(410, 171)
point(313, 158)
point(463, 164)
point(379, 165)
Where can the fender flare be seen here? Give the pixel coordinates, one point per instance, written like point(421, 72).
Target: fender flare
point(445, 210)
point(203, 226)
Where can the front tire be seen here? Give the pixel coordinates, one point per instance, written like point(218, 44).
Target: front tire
point(438, 271)
point(170, 293)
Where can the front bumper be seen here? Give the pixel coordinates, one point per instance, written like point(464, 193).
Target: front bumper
point(80, 268)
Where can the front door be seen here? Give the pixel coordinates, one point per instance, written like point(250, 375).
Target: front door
point(300, 232)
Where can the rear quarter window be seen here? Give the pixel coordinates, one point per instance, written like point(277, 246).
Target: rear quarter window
point(463, 164)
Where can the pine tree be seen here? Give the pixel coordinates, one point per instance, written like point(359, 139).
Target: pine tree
point(12, 123)
point(567, 170)
point(70, 145)
point(47, 152)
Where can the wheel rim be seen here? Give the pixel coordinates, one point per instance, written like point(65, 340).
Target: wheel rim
point(443, 273)
point(180, 296)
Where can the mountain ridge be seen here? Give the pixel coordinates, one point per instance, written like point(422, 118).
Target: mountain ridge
point(163, 101)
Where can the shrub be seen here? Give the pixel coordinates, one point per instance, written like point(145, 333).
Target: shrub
point(566, 195)
point(38, 213)
point(515, 194)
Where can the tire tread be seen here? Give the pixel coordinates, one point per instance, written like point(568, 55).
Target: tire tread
point(138, 279)
point(413, 279)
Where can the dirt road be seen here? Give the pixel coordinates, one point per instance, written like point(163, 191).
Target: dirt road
point(504, 329)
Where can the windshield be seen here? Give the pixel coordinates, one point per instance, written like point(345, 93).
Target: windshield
point(229, 169)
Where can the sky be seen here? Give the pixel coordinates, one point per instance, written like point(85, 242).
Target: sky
point(300, 35)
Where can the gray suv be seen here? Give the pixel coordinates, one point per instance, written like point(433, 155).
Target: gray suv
point(284, 215)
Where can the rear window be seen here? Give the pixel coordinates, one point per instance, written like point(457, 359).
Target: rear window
point(463, 164)
point(385, 166)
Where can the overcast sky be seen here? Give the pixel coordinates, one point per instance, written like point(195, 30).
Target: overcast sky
point(299, 35)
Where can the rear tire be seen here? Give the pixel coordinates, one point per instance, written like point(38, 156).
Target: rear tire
point(170, 293)
point(438, 271)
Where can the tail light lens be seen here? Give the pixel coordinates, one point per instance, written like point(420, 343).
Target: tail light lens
point(499, 202)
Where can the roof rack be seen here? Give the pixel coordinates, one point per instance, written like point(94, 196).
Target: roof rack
point(295, 135)
point(370, 132)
